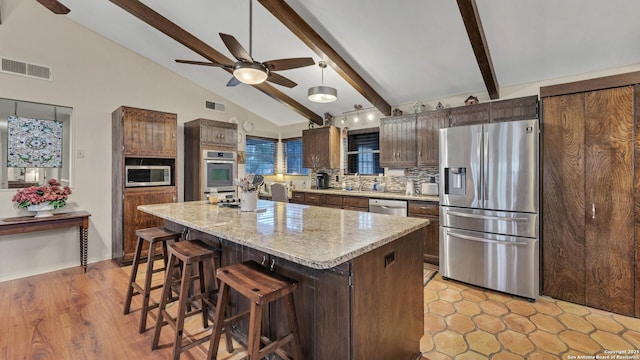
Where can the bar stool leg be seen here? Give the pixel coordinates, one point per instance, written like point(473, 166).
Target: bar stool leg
point(255, 326)
point(203, 304)
point(223, 297)
point(182, 307)
point(132, 278)
point(147, 286)
point(293, 326)
point(166, 293)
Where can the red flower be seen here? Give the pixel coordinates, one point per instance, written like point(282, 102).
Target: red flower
point(51, 193)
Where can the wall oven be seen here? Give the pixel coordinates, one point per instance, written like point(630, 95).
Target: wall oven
point(219, 172)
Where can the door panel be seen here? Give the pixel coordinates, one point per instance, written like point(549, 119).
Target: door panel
point(563, 198)
point(511, 166)
point(460, 149)
point(609, 198)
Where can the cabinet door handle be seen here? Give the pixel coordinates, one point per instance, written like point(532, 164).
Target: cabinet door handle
point(264, 260)
point(273, 264)
point(593, 211)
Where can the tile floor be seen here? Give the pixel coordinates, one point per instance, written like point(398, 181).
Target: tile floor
point(466, 322)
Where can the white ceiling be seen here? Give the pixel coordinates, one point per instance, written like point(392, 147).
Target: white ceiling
point(406, 50)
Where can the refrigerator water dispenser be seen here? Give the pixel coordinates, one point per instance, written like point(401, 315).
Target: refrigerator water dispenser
point(455, 181)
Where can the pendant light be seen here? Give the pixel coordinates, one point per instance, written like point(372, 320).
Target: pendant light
point(322, 94)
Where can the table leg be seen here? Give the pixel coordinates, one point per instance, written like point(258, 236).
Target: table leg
point(84, 247)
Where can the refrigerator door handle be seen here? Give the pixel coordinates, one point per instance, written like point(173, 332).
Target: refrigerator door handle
point(485, 217)
point(480, 181)
point(473, 238)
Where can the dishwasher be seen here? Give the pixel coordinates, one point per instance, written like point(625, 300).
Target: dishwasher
point(389, 207)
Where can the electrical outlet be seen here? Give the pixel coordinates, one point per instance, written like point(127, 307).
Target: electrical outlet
point(389, 258)
point(80, 153)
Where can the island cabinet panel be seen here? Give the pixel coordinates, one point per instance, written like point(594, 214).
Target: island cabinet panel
point(321, 148)
point(523, 108)
point(387, 307)
point(428, 130)
point(398, 141)
point(428, 210)
point(470, 115)
point(588, 222)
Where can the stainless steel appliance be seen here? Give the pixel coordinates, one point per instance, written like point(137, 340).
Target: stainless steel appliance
point(489, 206)
point(147, 175)
point(322, 180)
point(219, 172)
point(389, 207)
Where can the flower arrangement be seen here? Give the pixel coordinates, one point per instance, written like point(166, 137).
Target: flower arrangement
point(53, 193)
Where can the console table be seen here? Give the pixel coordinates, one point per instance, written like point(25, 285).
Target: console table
point(25, 224)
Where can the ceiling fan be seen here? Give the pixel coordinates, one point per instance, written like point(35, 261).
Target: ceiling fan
point(246, 69)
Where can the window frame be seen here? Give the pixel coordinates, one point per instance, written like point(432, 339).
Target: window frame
point(347, 152)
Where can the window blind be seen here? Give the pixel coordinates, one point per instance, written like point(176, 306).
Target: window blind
point(363, 153)
point(261, 156)
point(292, 149)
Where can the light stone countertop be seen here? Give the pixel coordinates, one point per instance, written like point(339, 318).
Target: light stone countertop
point(372, 194)
point(312, 236)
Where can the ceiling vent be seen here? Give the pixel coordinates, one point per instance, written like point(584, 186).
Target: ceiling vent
point(17, 67)
point(214, 106)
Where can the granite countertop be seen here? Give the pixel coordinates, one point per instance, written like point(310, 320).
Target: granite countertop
point(312, 236)
point(373, 194)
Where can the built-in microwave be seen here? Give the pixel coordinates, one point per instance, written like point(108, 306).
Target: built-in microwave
point(147, 175)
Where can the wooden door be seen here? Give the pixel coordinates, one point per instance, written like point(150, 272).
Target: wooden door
point(428, 210)
point(524, 108)
point(387, 143)
point(407, 143)
point(133, 219)
point(563, 247)
point(470, 115)
point(309, 148)
point(428, 127)
point(609, 235)
point(149, 133)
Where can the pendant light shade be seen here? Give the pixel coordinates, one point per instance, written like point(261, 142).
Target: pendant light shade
point(250, 73)
point(322, 94)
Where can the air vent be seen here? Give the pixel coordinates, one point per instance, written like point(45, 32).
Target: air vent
point(17, 67)
point(214, 106)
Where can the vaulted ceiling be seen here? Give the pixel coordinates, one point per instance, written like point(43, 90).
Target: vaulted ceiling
point(381, 53)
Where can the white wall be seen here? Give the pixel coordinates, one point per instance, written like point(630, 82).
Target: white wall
point(94, 76)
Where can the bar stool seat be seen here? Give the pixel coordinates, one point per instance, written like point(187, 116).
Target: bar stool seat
point(153, 236)
point(260, 286)
point(187, 254)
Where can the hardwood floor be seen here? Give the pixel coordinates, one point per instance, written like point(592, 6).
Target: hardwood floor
point(71, 315)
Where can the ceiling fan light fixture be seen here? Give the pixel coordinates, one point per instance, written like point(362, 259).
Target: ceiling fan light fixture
point(322, 94)
point(250, 73)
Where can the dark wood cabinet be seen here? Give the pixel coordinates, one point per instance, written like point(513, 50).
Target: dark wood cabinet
point(355, 203)
point(321, 148)
point(588, 199)
point(428, 210)
point(200, 135)
point(398, 141)
point(346, 202)
point(140, 137)
point(334, 201)
point(428, 129)
point(523, 108)
point(470, 115)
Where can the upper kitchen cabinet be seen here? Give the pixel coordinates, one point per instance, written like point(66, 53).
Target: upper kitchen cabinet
point(523, 108)
point(428, 126)
point(321, 148)
point(212, 133)
point(470, 115)
point(398, 141)
point(147, 133)
point(588, 199)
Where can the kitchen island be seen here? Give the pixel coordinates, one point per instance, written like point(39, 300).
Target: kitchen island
point(359, 274)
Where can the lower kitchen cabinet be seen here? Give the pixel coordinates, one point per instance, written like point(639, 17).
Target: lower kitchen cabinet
point(355, 203)
point(428, 210)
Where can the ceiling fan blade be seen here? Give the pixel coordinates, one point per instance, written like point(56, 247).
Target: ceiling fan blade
point(290, 63)
point(235, 48)
point(204, 63)
point(55, 6)
point(280, 80)
point(233, 81)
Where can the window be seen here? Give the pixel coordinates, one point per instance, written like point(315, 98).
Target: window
point(363, 152)
point(261, 155)
point(292, 149)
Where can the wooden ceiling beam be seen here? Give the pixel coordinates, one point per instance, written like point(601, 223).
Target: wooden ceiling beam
point(55, 6)
point(165, 26)
point(287, 16)
point(472, 23)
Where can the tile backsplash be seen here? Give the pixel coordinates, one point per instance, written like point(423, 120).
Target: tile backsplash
point(392, 183)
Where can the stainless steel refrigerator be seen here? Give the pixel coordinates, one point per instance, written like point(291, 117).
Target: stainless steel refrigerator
point(489, 206)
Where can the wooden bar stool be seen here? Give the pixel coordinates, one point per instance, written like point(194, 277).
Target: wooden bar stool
point(261, 287)
point(187, 253)
point(153, 236)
